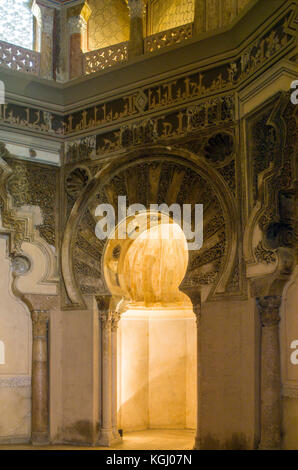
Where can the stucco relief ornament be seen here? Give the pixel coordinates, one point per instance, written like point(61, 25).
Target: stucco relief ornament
point(115, 318)
point(263, 255)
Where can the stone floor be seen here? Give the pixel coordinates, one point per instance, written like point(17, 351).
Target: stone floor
point(180, 439)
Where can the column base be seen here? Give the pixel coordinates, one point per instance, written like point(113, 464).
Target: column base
point(107, 438)
point(40, 439)
point(197, 444)
point(269, 446)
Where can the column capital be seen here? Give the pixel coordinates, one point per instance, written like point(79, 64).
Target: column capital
point(76, 24)
point(40, 319)
point(115, 318)
point(44, 15)
point(103, 304)
point(137, 8)
point(41, 302)
point(269, 309)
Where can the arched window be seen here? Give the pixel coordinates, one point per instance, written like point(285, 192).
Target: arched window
point(16, 23)
point(2, 353)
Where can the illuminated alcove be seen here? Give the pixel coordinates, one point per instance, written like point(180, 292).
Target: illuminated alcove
point(156, 350)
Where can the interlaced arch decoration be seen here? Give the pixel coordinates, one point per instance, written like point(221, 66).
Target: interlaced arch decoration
point(16, 23)
point(152, 176)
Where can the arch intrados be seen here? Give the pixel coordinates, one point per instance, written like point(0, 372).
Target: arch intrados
point(113, 266)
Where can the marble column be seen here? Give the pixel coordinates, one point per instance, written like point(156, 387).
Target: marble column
point(114, 328)
point(45, 21)
point(200, 16)
point(136, 38)
point(197, 312)
point(106, 437)
point(270, 372)
point(40, 378)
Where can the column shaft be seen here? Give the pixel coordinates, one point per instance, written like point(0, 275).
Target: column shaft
point(198, 431)
point(136, 38)
point(108, 371)
point(106, 382)
point(40, 386)
point(270, 373)
point(200, 16)
point(114, 382)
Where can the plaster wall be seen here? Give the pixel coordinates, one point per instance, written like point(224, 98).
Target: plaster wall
point(157, 370)
point(229, 359)
point(15, 364)
point(289, 334)
point(75, 395)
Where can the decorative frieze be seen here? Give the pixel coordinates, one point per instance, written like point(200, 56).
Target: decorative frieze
point(31, 118)
point(214, 111)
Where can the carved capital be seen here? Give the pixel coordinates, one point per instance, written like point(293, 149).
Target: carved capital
point(269, 309)
point(40, 302)
point(104, 312)
point(115, 318)
point(76, 24)
point(40, 319)
point(44, 16)
point(136, 8)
